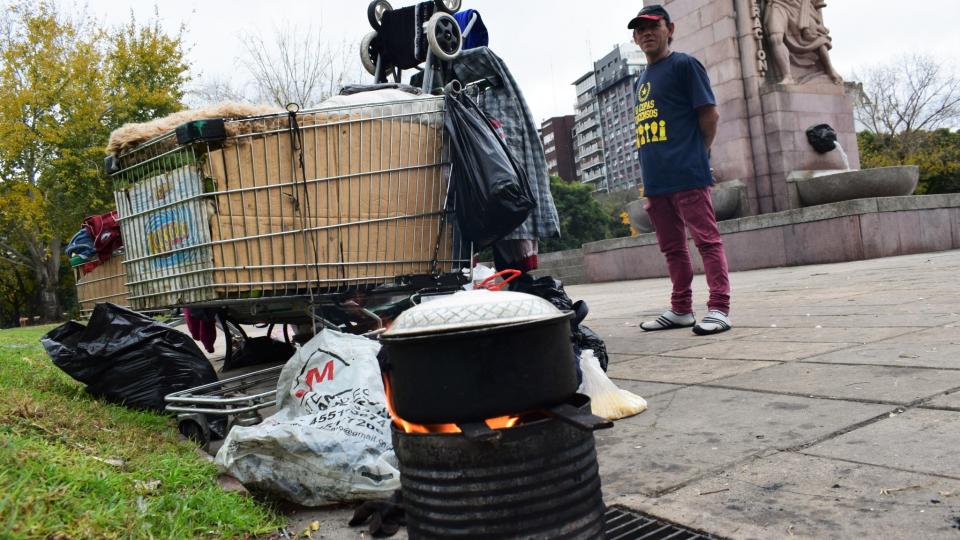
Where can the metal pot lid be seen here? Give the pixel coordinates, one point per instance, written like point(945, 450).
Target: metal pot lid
point(472, 309)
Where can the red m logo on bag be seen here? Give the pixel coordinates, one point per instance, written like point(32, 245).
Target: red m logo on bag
point(315, 375)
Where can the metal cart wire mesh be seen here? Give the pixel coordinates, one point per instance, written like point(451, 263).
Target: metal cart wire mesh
point(290, 212)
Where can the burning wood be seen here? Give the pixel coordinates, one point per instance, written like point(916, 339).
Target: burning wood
point(500, 422)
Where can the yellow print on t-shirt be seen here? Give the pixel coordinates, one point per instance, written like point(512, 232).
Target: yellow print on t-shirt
point(644, 91)
point(647, 132)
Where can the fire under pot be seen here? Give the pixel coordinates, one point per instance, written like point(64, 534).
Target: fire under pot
point(491, 437)
point(538, 479)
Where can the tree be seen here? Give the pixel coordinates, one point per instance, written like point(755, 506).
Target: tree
point(64, 85)
point(936, 153)
point(907, 109)
point(289, 66)
point(295, 66)
point(582, 217)
point(916, 93)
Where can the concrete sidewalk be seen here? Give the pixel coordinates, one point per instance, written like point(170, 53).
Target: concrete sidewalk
point(830, 410)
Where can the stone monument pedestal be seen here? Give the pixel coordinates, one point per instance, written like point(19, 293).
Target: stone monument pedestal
point(761, 137)
point(788, 110)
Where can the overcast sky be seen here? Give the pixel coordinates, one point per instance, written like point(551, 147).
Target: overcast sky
point(547, 44)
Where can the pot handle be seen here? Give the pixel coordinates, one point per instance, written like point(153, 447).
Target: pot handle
point(487, 283)
point(579, 419)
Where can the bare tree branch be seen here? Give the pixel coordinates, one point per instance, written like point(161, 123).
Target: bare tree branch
point(214, 90)
point(296, 65)
point(916, 93)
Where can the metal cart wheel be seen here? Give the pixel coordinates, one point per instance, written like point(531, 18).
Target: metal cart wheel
point(449, 6)
point(195, 428)
point(368, 57)
point(375, 12)
point(443, 35)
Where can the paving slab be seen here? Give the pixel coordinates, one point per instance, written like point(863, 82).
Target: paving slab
point(651, 344)
point(919, 440)
point(788, 495)
point(644, 389)
point(817, 333)
point(888, 319)
point(332, 522)
point(882, 384)
point(733, 443)
point(896, 354)
point(681, 370)
point(759, 350)
point(948, 334)
point(690, 432)
point(947, 401)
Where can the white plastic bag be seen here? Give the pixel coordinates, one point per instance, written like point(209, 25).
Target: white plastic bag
point(480, 273)
point(329, 440)
point(606, 400)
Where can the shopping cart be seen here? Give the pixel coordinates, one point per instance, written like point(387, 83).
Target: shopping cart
point(292, 218)
point(328, 218)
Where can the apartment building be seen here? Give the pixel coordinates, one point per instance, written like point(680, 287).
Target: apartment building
point(556, 135)
point(587, 134)
point(604, 140)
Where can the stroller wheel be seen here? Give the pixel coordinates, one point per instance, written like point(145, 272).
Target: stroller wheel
point(443, 35)
point(449, 6)
point(375, 12)
point(368, 56)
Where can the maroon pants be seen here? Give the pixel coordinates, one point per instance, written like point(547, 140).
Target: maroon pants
point(672, 214)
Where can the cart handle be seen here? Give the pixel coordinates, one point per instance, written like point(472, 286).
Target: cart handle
point(486, 284)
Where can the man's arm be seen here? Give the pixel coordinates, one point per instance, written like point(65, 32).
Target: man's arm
point(709, 119)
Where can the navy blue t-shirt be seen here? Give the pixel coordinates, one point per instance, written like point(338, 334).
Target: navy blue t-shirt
point(672, 155)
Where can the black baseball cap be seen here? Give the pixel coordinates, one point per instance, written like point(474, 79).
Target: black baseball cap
point(653, 12)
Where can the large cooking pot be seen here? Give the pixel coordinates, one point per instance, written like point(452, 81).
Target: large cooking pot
point(478, 354)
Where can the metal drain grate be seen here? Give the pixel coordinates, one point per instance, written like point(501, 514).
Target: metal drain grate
point(622, 524)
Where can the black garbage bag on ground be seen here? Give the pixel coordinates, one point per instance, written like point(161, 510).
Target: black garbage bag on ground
point(490, 187)
point(259, 350)
point(585, 338)
point(822, 138)
point(551, 290)
point(128, 358)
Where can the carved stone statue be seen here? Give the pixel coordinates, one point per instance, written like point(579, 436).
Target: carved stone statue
point(797, 35)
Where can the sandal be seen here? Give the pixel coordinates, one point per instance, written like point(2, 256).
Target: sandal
point(669, 319)
point(714, 323)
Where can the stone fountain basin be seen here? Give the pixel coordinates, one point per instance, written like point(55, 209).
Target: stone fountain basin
point(726, 205)
point(824, 187)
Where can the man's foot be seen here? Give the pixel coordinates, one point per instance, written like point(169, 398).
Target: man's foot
point(714, 323)
point(669, 319)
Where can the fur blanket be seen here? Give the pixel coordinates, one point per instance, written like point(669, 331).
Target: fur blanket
point(131, 135)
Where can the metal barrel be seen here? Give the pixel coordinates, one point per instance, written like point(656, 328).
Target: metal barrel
point(538, 480)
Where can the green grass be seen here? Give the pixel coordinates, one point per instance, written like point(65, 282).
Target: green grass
point(75, 467)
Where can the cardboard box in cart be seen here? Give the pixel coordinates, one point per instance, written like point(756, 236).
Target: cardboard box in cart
point(105, 283)
point(245, 220)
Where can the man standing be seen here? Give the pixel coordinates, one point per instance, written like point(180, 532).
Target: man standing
point(676, 121)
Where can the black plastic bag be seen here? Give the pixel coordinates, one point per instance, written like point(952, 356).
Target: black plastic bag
point(551, 290)
point(259, 350)
point(585, 338)
point(491, 188)
point(128, 358)
point(822, 138)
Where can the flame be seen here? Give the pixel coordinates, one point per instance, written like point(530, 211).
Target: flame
point(500, 422)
